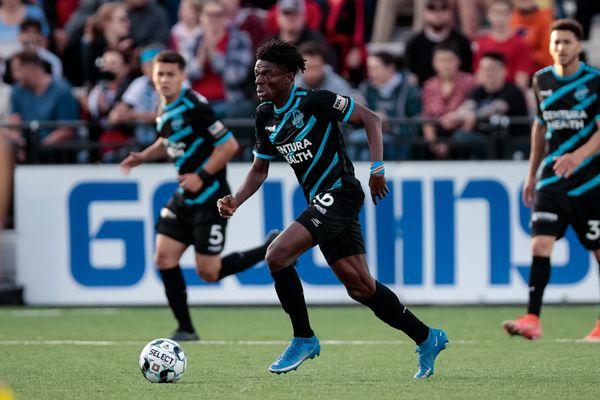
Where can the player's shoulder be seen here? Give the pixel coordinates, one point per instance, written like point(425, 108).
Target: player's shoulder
point(264, 109)
point(546, 71)
point(193, 99)
point(591, 70)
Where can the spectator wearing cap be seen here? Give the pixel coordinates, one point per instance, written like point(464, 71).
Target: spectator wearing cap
point(185, 33)
point(312, 10)
point(502, 39)
point(493, 96)
point(149, 22)
point(438, 28)
point(388, 92)
point(139, 102)
point(32, 39)
point(320, 75)
point(442, 95)
point(223, 61)
point(102, 99)
point(292, 23)
point(36, 96)
point(533, 24)
point(247, 20)
point(12, 15)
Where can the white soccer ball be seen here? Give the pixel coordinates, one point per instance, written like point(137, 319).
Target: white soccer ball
point(162, 361)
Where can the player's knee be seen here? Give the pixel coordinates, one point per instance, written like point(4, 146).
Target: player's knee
point(542, 247)
point(276, 259)
point(361, 291)
point(208, 276)
point(164, 260)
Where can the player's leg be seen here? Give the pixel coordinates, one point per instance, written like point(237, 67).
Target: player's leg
point(209, 233)
point(551, 214)
point(594, 335)
point(354, 273)
point(168, 253)
point(281, 256)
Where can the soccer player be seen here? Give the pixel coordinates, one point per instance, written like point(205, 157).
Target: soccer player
point(200, 147)
point(565, 145)
point(302, 127)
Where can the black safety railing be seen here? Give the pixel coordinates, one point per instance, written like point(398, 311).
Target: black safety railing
point(500, 137)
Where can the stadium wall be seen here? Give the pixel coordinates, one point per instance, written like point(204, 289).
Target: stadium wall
point(449, 233)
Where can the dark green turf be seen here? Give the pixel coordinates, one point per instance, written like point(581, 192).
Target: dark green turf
point(482, 363)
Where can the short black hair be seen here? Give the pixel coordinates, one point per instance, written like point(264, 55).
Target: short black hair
point(313, 48)
point(495, 56)
point(30, 23)
point(27, 57)
point(568, 25)
point(446, 46)
point(283, 54)
point(171, 57)
point(386, 58)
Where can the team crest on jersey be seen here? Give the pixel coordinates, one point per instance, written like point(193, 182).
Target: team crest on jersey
point(177, 123)
point(581, 92)
point(298, 119)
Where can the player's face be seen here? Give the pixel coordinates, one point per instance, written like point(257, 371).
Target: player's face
point(564, 47)
point(271, 81)
point(167, 78)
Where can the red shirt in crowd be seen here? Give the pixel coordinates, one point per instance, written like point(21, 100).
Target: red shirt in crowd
point(211, 85)
point(517, 53)
point(437, 104)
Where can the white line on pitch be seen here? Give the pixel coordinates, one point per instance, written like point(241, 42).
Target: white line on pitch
point(253, 342)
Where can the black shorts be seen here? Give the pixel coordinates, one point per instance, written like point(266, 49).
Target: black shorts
point(553, 212)
point(332, 220)
point(201, 226)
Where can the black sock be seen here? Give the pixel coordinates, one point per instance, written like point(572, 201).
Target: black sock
point(291, 296)
point(387, 307)
point(242, 260)
point(538, 279)
point(175, 290)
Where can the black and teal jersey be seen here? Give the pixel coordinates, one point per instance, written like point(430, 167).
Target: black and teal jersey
point(569, 108)
point(305, 132)
point(190, 132)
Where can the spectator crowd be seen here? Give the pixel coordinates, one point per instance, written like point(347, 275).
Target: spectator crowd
point(466, 63)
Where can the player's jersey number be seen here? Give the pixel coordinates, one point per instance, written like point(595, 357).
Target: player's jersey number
point(216, 235)
point(594, 231)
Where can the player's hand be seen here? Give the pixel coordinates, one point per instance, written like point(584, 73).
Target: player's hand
point(378, 186)
point(190, 182)
point(529, 191)
point(566, 164)
point(133, 160)
point(227, 206)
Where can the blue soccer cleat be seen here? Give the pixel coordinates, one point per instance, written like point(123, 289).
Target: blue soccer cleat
point(429, 350)
point(298, 351)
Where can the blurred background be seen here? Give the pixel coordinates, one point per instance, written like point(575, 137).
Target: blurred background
point(451, 79)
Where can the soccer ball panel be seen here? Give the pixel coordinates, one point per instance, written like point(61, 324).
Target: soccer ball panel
point(162, 360)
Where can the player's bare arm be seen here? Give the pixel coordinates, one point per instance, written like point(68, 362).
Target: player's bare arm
point(154, 152)
point(566, 164)
point(221, 155)
point(366, 118)
point(538, 146)
point(254, 179)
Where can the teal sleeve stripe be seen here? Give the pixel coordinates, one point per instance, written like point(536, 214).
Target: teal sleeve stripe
point(263, 156)
point(539, 120)
point(349, 112)
point(225, 138)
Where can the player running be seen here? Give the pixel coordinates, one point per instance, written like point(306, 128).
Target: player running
point(565, 148)
point(302, 127)
point(200, 146)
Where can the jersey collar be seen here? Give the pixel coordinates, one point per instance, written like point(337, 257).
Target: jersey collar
point(172, 105)
point(288, 103)
point(569, 77)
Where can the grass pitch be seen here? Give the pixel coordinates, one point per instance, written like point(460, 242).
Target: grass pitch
point(93, 354)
